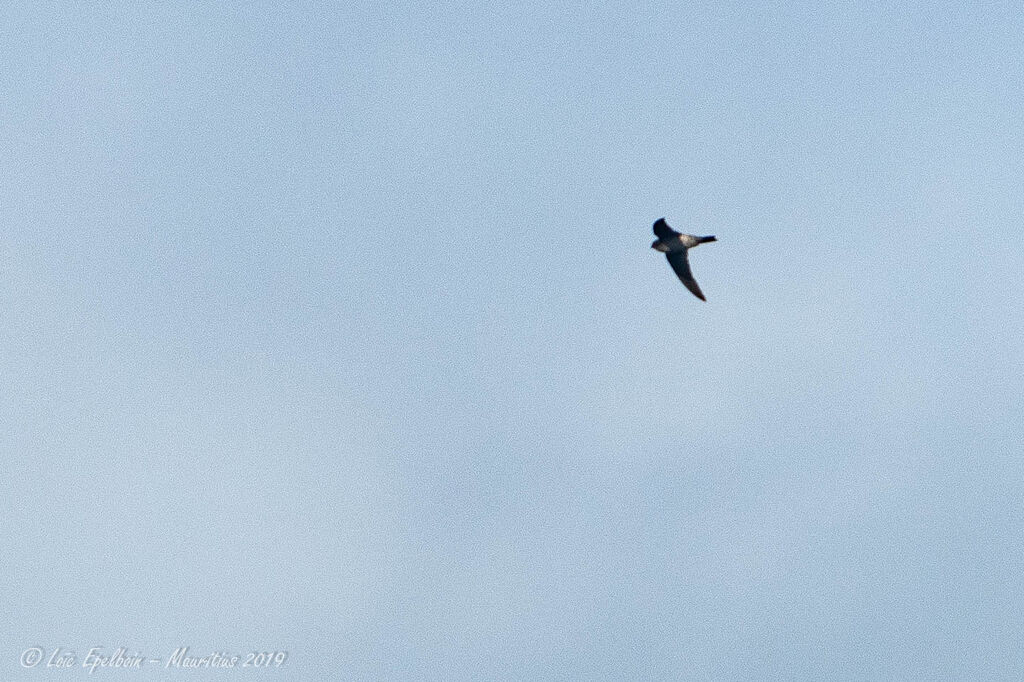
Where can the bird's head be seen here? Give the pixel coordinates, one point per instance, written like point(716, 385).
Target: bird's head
point(659, 245)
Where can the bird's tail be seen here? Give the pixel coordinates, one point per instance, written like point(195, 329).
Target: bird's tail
point(705, 240)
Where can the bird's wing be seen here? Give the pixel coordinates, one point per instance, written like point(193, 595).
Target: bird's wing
point(681, 264)
point(662, 230)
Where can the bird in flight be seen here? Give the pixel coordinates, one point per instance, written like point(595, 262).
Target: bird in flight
point(675, 245)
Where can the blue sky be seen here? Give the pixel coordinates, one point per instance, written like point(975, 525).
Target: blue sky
point(335, 329)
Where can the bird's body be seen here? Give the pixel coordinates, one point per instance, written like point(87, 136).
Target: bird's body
point(675, 245)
